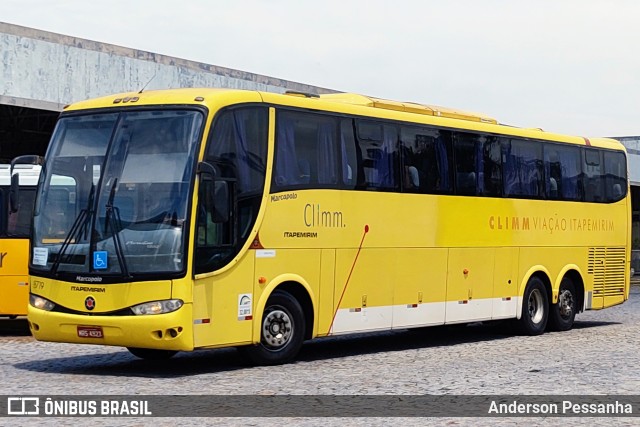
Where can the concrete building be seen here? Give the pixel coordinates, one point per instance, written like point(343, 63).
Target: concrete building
point(633, 154)
point(40, 72)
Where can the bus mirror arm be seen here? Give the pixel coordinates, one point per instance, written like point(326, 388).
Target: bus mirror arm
point(205, 168)
point(14, 193)
point(29, 159)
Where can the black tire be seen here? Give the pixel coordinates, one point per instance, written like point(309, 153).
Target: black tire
point(151, 354)
point(281, 331)
point(535, 308)
point(562, 314)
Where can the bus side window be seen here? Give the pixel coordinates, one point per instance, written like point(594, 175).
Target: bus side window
point(522, 168)
point(426, 160)
point(326, 152)
point(418, 161)
point(615, 169)
point(237, 145)
point(210, 234)
point(350, 156)
point(562, 171)
point(465, 148)
point(379, 145)
point(591, 176)
point(307, 151)
point(490, 167)
point(553, 171)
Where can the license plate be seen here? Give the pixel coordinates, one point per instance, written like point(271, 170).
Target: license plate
point(90, 332)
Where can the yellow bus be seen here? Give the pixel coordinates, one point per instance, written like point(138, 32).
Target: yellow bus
point(184, 219)
point(15, 223)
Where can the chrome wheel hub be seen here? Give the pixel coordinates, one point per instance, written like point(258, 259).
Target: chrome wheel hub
point(536, 306)
point(277, 329)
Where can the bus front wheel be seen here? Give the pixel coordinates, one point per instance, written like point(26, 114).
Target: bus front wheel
point(281, 331)
point(563, 313)
point(151, 354)
point(535, 308)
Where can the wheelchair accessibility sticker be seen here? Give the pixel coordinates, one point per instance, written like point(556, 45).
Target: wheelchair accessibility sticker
point(100, 260)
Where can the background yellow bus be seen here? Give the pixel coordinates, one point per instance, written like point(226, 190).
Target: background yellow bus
point(204, 218)
point(14, 239)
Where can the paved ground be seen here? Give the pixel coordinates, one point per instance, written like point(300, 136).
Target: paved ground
point(599, 356)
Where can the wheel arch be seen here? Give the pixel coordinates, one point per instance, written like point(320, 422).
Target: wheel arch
point(295, 286)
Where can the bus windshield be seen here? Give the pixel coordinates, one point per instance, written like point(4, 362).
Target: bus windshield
point(113, 198)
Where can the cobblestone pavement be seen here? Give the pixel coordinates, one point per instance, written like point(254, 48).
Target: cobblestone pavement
point(600, 355)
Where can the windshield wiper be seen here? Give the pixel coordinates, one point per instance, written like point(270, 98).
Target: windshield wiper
point(115, 225)
point(80, 224)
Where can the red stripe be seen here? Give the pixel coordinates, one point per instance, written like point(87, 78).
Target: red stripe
point(586, 140)
point(366, 230)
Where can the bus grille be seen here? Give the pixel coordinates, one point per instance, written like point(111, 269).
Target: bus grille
point(607, 266)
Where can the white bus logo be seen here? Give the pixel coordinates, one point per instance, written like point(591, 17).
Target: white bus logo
point(23, 406)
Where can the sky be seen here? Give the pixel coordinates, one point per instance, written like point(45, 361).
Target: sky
point(566, 66)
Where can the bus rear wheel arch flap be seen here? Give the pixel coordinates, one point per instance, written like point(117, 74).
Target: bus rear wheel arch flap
point(563, 313)
point(151, 354)
point(535, 307)
point(282, 330)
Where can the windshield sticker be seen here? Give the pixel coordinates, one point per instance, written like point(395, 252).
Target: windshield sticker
point(244, 307)
point(40, 256)
point(100, 260)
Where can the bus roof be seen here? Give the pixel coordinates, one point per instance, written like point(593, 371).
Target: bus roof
point(214, 98)
point(409, 107)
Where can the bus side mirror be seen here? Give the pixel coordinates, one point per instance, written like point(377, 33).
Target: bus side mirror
point(14, 193)
point(217, 197)
point(28, 159)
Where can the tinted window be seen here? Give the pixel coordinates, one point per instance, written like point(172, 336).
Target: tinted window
point(351, 165)
point(237, 147)
point(490, 179)
point(318, 151)
point(308, 152)
point(592, 172)
point(615, 169)
point(379, 146)
point(478, 164)
point(522, 163)
point(426, 154)
point(562, 172)
point(465, 152)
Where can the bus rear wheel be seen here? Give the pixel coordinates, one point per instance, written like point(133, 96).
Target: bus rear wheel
point(535, 308)
point(281, 331)
point(151, 354)
point(563, 313)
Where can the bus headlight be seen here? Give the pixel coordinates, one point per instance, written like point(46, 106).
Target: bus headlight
point(157, 307)
point(41, 303)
